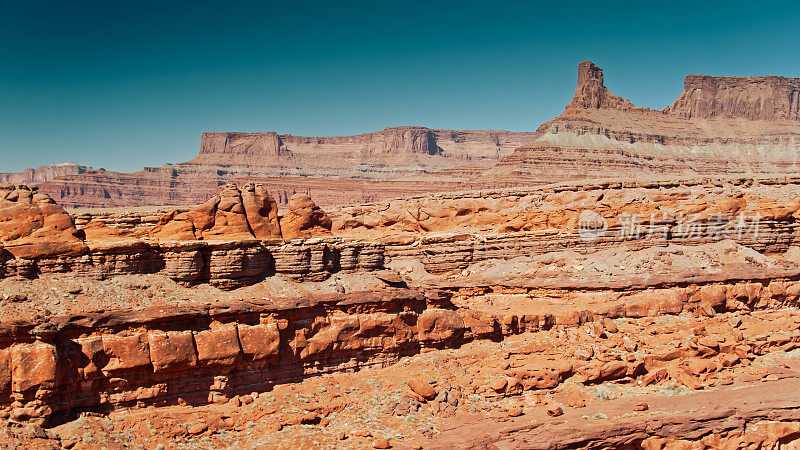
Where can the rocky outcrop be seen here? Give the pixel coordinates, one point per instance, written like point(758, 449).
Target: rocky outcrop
point(262, 149)
point(449, 232)
point(232, 240)
point(33, 226)
point(333, 170)
point(304, 219)
point(224, 264)
point(232, 215)
point(770, 98)
point(591, 93)
point(256, 147)
point(204, 354)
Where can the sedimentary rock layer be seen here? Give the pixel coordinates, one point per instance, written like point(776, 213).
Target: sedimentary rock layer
point(296, 164)
point(115, 359)
point(718, 125)
point(43, 173)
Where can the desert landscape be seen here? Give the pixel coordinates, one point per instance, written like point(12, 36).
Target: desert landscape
point(620, 278)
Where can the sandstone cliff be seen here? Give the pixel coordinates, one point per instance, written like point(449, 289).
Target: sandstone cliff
point(770, 98)
point(718, 125)
point(43, 173)
point(33, 226)
point(297, 164)
point(591, 93)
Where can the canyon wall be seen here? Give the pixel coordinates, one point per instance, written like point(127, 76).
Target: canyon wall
point(771, 98)
point(211, 302)
point(718, 125)
point(334, 170)
point(42, 174)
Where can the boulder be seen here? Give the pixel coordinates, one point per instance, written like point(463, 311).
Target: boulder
point(33, 226)
point(304, 219)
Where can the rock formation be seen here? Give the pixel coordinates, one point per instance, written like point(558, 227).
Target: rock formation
point(591, 93)
point(333, 169)
point(304, 218)
point(43, 173)
point(567, 314)
point(718, 125)
point(485, 313)
point(33, 226)
point(236, 215)
point(769, 98)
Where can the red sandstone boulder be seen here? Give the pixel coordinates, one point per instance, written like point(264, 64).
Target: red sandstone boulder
point(422, 388)
point(304, 219)
point(218, 346)
point(33, 366)
point(439, 325)
point(33, 226)
point(259, 341)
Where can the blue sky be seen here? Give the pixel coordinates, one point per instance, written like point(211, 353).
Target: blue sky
point(122, 85)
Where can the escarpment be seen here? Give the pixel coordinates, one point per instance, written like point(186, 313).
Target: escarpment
point(501, 310)
point(771, 98)
point(718, 125)
point(333, 170)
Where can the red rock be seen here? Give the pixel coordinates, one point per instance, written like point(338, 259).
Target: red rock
point(259, 341)
point(126, 352)
point(381, 443)
point(554, 410)
point(172, 350)
point(33, 366)
point(498, 384)
point(422, 388)
point(654, 377)
point(197, 428)
point(439, 324)
point(232, 215)
point(261, 211)
point(304, 219)
point(610, 325)
point(218, 346)
point(575, 399)
point(33, 226)
point(641, 407)
point(514, 411)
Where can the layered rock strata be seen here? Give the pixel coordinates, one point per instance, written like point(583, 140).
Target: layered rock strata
point(33, 226)
point(333, 170)
point(718, 125)
point(451, 231)
point(225, 264)
point(232, 240)
point(197, 355)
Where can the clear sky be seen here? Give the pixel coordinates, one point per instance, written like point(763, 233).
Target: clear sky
point(122, 84)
